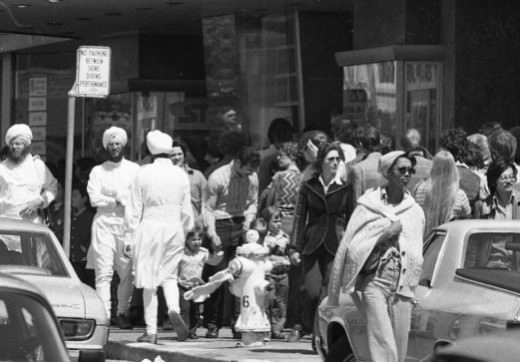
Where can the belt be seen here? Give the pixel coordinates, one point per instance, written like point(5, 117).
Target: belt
point(234, 219)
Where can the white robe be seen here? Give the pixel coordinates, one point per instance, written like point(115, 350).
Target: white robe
point(160, 213)
point(23, 183)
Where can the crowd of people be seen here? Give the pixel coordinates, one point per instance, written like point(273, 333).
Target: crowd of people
point(346, 192)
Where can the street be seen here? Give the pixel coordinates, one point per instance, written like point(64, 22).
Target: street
point(122, 346)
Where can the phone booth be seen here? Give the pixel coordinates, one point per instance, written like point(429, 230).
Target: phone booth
point(395, 88)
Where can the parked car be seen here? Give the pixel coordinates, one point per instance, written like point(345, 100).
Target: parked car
point(470, 285)
point(29, 330)
point(33, 253)
point(497, 347)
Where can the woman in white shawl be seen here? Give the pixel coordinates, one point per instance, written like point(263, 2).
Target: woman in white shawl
point(160, 214)
point(381, 256)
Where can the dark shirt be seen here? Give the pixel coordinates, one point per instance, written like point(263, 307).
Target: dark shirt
point(80, 233)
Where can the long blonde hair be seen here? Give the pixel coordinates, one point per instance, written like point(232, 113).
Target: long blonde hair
point(443, 185)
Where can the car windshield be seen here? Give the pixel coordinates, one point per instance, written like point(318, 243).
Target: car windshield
point(497, 251)
point(28, 331)
point(32, 249)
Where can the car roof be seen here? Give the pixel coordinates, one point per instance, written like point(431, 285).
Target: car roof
point(21, 225)
point(470, 224)
point(12, 282)
point(499, 347)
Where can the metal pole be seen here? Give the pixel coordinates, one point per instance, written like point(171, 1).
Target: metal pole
point(68, 173)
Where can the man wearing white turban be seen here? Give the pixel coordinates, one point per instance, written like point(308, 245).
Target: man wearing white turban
point(160, 215)
point(109, 191)
point(26, 184)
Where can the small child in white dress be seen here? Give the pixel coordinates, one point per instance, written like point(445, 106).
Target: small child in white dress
point(190, 275)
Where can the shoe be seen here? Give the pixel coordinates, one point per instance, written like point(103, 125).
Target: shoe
point(148, 338)
point(167, 324)
point(193, 335)
point(277, 335)
point(212, 332)
point(237, 335)
point(179, 326)
point(294, 336)
point(123, 322)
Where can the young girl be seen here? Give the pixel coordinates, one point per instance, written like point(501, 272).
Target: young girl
point(190, 275)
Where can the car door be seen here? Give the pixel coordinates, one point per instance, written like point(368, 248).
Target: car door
point(422, 336)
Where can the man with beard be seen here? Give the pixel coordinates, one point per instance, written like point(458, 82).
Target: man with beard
point(109, 191)
point(26, 184)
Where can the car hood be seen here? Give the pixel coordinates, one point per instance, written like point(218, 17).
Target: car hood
point(64, 294)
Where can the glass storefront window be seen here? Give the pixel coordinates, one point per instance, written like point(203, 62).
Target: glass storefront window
point(41, 85)
point(370, 94)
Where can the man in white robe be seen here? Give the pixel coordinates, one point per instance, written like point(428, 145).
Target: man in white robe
point(26, 184)
point(109, 191)
point(161, 214)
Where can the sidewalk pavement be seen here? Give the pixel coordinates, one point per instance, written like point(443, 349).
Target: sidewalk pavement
point(122, 345)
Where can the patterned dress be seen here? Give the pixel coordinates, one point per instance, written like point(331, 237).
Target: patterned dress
point(285, 187)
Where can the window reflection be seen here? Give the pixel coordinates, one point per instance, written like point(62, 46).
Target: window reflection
point(370, 94)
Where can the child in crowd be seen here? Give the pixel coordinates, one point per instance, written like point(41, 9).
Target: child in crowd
point(80, 232)
point(277, 240)
point(190, 275)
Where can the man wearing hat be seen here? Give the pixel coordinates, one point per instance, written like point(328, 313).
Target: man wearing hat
point(26, 184)
point(160, 215)
point(109, 191)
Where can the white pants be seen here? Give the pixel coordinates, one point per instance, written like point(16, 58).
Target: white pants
point(171, 295)
point(388, 317)
point(108, 240)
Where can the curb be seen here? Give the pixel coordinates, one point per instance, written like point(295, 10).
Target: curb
point(126, 351)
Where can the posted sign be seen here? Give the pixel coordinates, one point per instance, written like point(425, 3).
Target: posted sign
point(92, 71)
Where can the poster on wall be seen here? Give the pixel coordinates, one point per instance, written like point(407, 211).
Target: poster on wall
point(38, 86)
point(146, 106)
point(37, 104)
point(37, 119)
point(39, 133)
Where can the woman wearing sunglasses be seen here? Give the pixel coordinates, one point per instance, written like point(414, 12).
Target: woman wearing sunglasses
point(439, 195)
point(380, 256)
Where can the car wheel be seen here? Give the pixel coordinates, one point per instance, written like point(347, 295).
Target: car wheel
point(340, 352)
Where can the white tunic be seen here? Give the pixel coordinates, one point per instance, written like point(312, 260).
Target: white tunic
point(23, 183)
point(107, 183)
point(159, 215)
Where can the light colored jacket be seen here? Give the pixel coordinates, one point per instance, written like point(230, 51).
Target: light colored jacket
point(368, 221)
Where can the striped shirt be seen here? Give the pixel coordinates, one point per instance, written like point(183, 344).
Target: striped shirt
point(236, 194)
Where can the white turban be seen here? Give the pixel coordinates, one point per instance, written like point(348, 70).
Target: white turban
point(158, 142)
point(114, 134)
point(387, 161)
point(19, 130)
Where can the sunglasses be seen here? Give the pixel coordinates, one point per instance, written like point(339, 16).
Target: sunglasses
point(406, 170)
point(507, 178)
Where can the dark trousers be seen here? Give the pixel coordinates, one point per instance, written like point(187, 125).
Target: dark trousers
point(294, 302)
point(278, 305)
point(84, 274)
point(190, 311)
point(220, 302)
point(314, 284)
